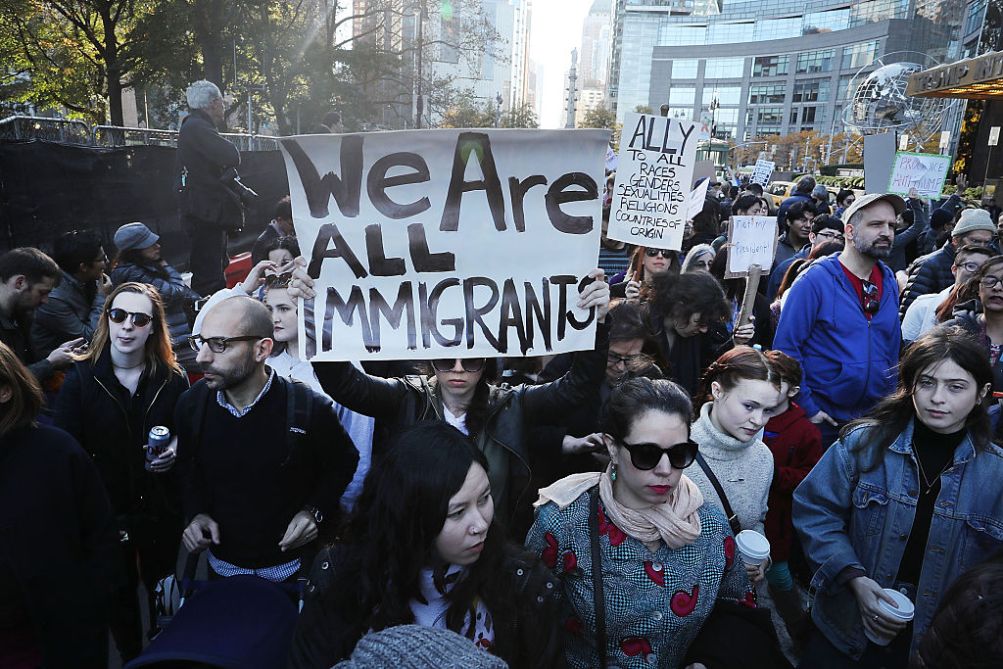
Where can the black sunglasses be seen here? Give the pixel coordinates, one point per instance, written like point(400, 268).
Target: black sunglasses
point(139, 319)
point(651, 253)
point(468, 364)
point(647, 456)
point(871, 302)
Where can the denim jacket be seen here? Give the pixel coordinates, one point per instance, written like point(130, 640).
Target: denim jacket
point(851, 518)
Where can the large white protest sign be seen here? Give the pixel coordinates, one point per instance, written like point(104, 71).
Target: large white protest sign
point(762, 172)
point(752, 240)
point(447, 243)
point(926, 172)
point(657, 155)
point(695, 200)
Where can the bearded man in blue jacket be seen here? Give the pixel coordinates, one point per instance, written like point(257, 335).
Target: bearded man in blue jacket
point(841, 321)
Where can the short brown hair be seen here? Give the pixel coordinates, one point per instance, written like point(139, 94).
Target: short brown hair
point(739, 364)
point(30, 262)
point(786, 367)
point(26, 398)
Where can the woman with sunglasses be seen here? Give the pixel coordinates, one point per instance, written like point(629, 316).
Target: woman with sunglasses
point(979, 310)
point(647, 263)
point(641, 558)
point(458, 392)
point(907, 499)
point(741, 389)
point(126, 383)
point(422, 548)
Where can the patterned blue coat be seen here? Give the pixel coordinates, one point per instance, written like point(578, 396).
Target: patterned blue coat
point(656, 602)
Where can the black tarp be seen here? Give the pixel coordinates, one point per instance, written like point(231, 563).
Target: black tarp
point(47, 188)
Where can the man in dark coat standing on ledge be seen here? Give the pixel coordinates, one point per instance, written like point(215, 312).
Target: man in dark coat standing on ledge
point(209, 208)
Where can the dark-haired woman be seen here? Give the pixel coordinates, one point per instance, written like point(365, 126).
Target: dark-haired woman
point(687, 323)
point(907, 499)
point(421, 547)
point(125, 384)
point(666, 557)
point(59, 547)
point(459, 393)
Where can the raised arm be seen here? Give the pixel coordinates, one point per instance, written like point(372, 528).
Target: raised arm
point(363, 393)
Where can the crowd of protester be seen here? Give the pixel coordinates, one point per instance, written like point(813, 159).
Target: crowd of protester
point(595, 509)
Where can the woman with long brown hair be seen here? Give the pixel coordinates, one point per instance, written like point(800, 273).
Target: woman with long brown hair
point(59, 543)
point(125, 384)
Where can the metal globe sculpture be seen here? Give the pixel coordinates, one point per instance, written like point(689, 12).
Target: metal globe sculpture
point(879, 102)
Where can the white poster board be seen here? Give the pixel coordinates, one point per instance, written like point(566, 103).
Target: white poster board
point(926, 172)
point(752, 240)
point(655, 171)
point(446, 243)
point(762, 172)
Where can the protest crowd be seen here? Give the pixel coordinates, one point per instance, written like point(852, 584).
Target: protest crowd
point(799, 466)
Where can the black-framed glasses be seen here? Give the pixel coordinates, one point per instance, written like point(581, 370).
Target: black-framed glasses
point(969, 266)
point(990, 281)
point(220, 344)
point(871, 301)
point(468, 364)
point(651, 253)
point(647, 456)
point(139, 319)
point(613, 359)
point(831, 235)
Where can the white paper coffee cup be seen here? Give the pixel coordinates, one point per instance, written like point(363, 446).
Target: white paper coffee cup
point(904, 611)
point(753, 547)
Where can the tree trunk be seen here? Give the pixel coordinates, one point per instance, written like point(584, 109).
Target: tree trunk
point(113, 70)
point(208, 24)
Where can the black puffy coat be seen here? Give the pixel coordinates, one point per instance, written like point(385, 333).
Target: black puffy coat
point(928, 274)
point(113, 428)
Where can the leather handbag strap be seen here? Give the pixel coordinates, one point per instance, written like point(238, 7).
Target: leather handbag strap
point(598, 597)
point(736, 526)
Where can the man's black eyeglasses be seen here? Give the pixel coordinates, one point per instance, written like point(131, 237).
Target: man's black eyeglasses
point(871, 301)
point(651, 253)
point(139, 319)
point(468, 364)
point(647, 456)
point(220, 344)
point(626, 360)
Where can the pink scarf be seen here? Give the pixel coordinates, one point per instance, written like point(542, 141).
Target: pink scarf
point(676, 522)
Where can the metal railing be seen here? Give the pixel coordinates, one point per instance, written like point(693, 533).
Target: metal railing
point(41, 127)
point(78, 132)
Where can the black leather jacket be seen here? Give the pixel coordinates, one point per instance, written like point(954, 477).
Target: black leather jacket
point(404, 401)
point(325, 635)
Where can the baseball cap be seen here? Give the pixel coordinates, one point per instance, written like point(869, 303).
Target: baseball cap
point(134, 236)
point(894, 200)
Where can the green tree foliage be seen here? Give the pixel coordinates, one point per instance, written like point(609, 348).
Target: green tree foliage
point(600, 117)
point(520, 117)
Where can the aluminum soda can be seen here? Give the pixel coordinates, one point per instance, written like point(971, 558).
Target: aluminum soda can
point(157, 442)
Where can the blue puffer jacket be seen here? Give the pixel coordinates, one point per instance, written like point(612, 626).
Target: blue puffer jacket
point(849, 362)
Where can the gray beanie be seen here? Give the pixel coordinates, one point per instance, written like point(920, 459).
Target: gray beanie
point(418, 647)
point(972, 220)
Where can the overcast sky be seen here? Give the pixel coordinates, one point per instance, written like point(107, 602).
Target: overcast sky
point(557, 29)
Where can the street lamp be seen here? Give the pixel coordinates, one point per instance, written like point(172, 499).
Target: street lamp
point(714, 106)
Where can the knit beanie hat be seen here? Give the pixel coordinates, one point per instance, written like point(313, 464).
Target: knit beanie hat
point(418, 647)
point(973, 219)
point(821, 192)
point(941, 217)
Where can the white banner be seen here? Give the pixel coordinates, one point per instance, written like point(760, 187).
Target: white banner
point(926, 172)
point(655, 173)
point(752, 240)
point(447, 243)
point(762, 172)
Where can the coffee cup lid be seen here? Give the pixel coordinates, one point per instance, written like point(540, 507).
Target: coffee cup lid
point(753, 544)
point(905, 608)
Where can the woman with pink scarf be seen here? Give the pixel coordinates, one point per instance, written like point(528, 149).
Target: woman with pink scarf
point(663, 557)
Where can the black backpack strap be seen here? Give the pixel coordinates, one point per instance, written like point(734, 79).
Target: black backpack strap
point(736, 526)
point(598, 596)
point(299, 406)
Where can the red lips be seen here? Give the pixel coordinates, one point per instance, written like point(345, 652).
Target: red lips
point(683, 603)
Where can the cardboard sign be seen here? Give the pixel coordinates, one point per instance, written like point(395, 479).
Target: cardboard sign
point(926, 172)
point(752, 240)
point(656, 169)
point(696, 199)
point(447, 243)
point(762, 172)
point(879, 154)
